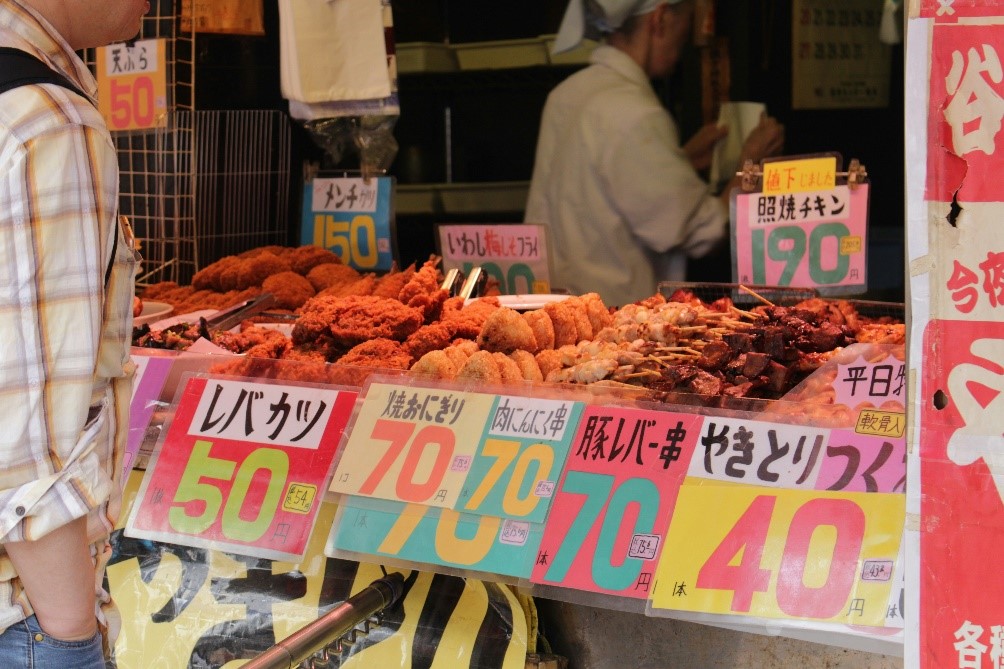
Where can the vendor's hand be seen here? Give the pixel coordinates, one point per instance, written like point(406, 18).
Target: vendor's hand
point(766, 140)
point(698, 148)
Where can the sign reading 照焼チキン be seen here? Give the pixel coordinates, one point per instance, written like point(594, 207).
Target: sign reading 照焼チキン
point(804, 229)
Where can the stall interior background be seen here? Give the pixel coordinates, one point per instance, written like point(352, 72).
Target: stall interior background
point(480, 126)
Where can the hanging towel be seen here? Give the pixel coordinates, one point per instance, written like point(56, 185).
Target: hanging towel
point(333, 50)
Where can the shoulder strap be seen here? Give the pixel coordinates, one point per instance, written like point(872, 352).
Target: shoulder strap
point(20, 68)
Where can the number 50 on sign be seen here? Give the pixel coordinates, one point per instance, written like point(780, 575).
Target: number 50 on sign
point(132, 84)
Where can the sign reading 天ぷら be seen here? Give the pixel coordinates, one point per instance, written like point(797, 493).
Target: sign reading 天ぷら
point(132, 84)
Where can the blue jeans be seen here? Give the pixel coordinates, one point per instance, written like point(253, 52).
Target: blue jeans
point(25, 645)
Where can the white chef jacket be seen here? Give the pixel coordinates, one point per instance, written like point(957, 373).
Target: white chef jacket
point(621, 201)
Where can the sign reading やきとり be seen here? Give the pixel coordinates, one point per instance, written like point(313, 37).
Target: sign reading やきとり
point(955, 108)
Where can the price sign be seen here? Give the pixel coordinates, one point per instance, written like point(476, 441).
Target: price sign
point(351, 217)
point(132, 84)
point(758, 452)
point(436, 536)
point(606, 529)
point(873, 383)
point(411, 444)
point(811, 239)
point(242, 467)
point(515, 255)
point(151, 373)
point(519, 458)
point(794, 554)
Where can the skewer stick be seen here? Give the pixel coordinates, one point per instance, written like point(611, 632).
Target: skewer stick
point(756, 295)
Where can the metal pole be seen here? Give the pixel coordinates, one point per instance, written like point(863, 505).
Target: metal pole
point(330, 627)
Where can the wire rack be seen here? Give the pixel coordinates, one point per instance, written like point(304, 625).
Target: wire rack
point(202, 184)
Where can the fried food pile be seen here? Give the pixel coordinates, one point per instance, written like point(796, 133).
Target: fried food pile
point(679, 349)
point(292, 275)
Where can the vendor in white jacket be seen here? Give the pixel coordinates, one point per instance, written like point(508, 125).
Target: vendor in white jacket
point(622, 200)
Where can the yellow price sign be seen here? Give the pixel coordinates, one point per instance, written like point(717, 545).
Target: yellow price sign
point(409, 444)
point(800, 176)
point(793, 554)
point(132, 84)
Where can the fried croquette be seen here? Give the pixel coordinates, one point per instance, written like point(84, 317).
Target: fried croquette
point(289, 289)
point(359, 318)
point(480, 367)
point(583, 326)
point(597, 312)
point(305, 258)
point(527, 364)
point(331, 274)
point(505, 331)
point(565, 330)
point(390, 284)
point(508, 368)
point(436, 364)
point(548, 361)
point(543, 329)
point(253, 271)
point(385, 353)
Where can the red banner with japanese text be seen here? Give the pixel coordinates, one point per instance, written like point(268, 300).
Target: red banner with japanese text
point(955, 202)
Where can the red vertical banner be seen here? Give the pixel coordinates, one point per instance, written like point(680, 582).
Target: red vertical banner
point(955, 203)
point(962, 505)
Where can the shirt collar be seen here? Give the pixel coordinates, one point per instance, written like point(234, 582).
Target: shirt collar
point(619, 62)
point(39, 38)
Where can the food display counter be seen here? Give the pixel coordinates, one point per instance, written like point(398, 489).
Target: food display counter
point(721, 454)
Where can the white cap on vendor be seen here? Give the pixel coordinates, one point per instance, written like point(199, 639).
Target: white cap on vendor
point(592, 19)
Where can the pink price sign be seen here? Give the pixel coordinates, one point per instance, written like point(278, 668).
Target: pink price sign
point(812, 239)
point(243, 467)
point(607, 525)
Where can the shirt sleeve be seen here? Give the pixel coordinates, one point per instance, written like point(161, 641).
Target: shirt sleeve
point(656, 190)
point(60, 195)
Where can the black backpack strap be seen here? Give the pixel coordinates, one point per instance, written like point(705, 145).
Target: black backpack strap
point(20, 68)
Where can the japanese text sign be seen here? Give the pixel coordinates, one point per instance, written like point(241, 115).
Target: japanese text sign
point(962, 505)
point(515, 255)
point(412, 444)
point(810, 239)
point(965, 113)
point(760, 453)
point(795, 554)
point(438, 536)
point(606, 529)
point(799, 176)
point(132, 84)
point(350, 217)
point(871, 382)
point(242, 467)
point(519, 458)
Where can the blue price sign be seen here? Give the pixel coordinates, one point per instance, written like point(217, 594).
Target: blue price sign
point(351, 218)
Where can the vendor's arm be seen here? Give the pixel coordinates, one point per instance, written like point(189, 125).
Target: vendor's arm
point(766, 140)
point(701, 146)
